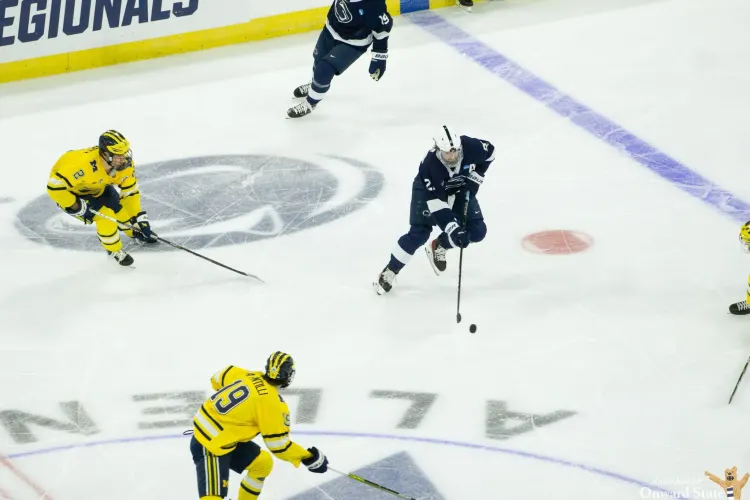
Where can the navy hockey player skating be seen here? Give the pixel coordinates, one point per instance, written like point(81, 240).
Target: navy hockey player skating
point(454, 166)
point(351, 27)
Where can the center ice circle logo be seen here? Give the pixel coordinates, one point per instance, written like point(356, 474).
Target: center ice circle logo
point(212, 201)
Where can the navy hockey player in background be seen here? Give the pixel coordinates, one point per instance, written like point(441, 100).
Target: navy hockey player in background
point(351, 27)
point(454, 166)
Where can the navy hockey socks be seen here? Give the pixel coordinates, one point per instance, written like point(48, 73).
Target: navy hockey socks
point(396, 265)
point(407, 245)
point(323, 74)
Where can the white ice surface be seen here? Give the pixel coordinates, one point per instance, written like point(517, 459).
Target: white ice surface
point(632, 335)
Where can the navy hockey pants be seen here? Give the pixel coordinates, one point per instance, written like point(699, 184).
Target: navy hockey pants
point(422, 222)
point(330, 58)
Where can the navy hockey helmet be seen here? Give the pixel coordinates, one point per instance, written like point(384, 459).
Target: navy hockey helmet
point(280, 369)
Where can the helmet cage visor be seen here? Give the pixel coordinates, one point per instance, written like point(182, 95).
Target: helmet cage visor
point(119, 162)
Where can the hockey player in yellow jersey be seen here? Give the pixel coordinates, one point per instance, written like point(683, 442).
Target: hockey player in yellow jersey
point(84, 180)
point(246, 404)
point(743, 307)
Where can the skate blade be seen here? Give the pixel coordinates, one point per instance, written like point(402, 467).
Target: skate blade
point(378, 289)
point(431, 260)
point(131, 266)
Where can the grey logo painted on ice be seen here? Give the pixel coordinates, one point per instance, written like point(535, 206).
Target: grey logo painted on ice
point(398, 472)
point(211, 201)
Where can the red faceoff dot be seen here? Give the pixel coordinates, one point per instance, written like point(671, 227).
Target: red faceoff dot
point(557, 242)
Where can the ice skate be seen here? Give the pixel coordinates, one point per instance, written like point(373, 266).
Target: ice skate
point(300, 110)
point(385, 281)
point(302, 91)
point(436, 255)
point(121, 257)
point(740, 308)
point(465, 4)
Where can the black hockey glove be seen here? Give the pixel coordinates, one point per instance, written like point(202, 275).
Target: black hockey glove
point(83, 213)
point(377, 64)
point(317, 463)
point(454, 185)
point(142, 227)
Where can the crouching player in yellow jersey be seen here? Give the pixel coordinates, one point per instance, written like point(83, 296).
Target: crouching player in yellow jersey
point(246, 404)
point(743, 307)
point(84, 180)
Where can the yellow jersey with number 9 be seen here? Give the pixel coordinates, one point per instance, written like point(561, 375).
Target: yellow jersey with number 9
point(244, 406)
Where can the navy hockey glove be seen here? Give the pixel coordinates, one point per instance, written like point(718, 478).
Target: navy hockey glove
point(457, 236)
point(317, 463)
point(473, 179)
point(83, 213)
point(377, 64)
point(454, 184)
point(142, 227)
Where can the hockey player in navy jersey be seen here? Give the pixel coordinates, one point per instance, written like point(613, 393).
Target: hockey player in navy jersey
point(351, 27)
point(454, 167)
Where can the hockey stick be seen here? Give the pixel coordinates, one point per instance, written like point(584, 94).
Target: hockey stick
point(738, 381)
point(461, 259)
point(133, 228)
point(370, 483)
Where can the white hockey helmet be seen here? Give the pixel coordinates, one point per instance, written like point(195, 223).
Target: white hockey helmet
point(448, 145)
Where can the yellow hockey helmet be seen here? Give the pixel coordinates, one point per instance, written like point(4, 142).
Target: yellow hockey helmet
point(280, 369)
point(114, 146)
point(745, 233)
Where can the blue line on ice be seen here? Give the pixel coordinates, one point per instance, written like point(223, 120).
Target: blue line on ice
point(390, 437)
point(601, 127)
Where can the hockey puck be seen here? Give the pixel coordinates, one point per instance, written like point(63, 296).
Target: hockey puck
point(473, 328)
